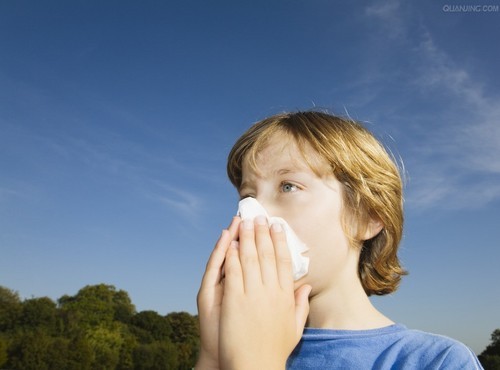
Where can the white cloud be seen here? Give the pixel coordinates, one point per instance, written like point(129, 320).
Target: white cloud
point(384, 10)
point(180, 200)
point(6, 193)
point(391, 18)
point(105, 156)
point(455, 163)
point(459, 164)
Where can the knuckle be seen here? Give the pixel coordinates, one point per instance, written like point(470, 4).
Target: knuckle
point(286, 259)
point(248, 259)
point(268, 255)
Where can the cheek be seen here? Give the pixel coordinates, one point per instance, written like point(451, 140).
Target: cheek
point(325, 239)
point(324, 236)
point(319, 225)
point(322, 233)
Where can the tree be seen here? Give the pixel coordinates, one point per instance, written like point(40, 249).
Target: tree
point(98, 328)
point(40, 312)
point(490, 362)
point(490, 357)
point(126, 361)
point(94, 305)
point(10, 309)
point(80, 355)
point(155, 356)
point(185, 335)
point(184, 327)
point(29, 351)
point(157, 326)
point(106, 343)
point(4, 345)
point(123, 307)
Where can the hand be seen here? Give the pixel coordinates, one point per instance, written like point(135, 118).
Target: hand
point(210, 300)
point(262, 318)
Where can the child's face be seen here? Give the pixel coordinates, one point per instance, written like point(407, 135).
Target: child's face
point(287, 187)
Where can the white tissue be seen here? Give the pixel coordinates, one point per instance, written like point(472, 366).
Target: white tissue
point(249, 208)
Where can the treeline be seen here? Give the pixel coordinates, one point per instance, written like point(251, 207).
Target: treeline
point(490, 357)
point(98, 328)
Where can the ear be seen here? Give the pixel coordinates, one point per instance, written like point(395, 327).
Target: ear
point(373, 228)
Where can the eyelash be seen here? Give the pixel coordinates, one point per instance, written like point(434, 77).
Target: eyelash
point(293, 189)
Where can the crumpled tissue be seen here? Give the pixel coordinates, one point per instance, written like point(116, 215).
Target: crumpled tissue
point(249, 208)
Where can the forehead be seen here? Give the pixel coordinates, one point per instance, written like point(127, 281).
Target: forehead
point(281, 152)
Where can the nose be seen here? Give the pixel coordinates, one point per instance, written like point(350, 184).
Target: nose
point(267, 205)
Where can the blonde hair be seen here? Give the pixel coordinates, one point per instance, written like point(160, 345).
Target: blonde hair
point(371, 183)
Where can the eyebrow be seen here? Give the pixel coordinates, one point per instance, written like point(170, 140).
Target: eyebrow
point(280, 172)
point(285, 171)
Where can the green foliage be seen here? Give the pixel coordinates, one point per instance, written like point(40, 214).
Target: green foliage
point(98, 328)
point(184, 327)
point(10, 309)
point(97, 304)
point(39, 313)
point(185, 335)
point(126, 360)
point(29, 351)
point(106, 344)
point(156, 356)
point(157, 326)
point(79, 355)
point(4, 345)
point(490, 362)
point(490, 357)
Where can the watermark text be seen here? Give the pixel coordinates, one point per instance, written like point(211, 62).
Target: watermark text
point(448, 8)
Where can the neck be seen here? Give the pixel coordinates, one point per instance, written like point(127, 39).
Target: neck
point(344, 307)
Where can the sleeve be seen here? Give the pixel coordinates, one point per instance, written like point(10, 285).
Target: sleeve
point(459, 356)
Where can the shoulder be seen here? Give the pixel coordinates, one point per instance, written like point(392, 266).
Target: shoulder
point(386, 348)
point(434, 351)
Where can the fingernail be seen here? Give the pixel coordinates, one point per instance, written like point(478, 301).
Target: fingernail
point(277, 227)
point(248, 224)
point(235, 244)
point(261, 220)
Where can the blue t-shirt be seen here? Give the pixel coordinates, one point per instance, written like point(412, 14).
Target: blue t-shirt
point(391, 347)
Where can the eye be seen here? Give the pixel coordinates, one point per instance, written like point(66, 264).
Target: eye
point(287, 187)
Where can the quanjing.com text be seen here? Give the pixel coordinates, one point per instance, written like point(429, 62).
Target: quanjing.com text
point(471, 8)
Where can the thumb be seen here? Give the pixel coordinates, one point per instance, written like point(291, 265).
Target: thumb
point(302, 307)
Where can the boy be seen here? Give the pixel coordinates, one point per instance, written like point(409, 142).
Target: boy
point(341, 193)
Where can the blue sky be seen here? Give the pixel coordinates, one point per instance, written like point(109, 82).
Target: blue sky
point(116, 119)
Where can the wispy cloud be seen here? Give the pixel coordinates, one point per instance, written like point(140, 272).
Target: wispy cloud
point(6, 193)
point(180, 200)
point(456, 163)
point(462, 157)
point(156, 178)
point(152, 175)
point(389, 13)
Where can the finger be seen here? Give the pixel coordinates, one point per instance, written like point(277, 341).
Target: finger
point(302, 307)
point(215, 265)
point(265, 251)
point(234, 227)
point(210, 293)
point(234, 275)
point(213, 269)
point(233, 230)
point(283, 257)
point(248, 255)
